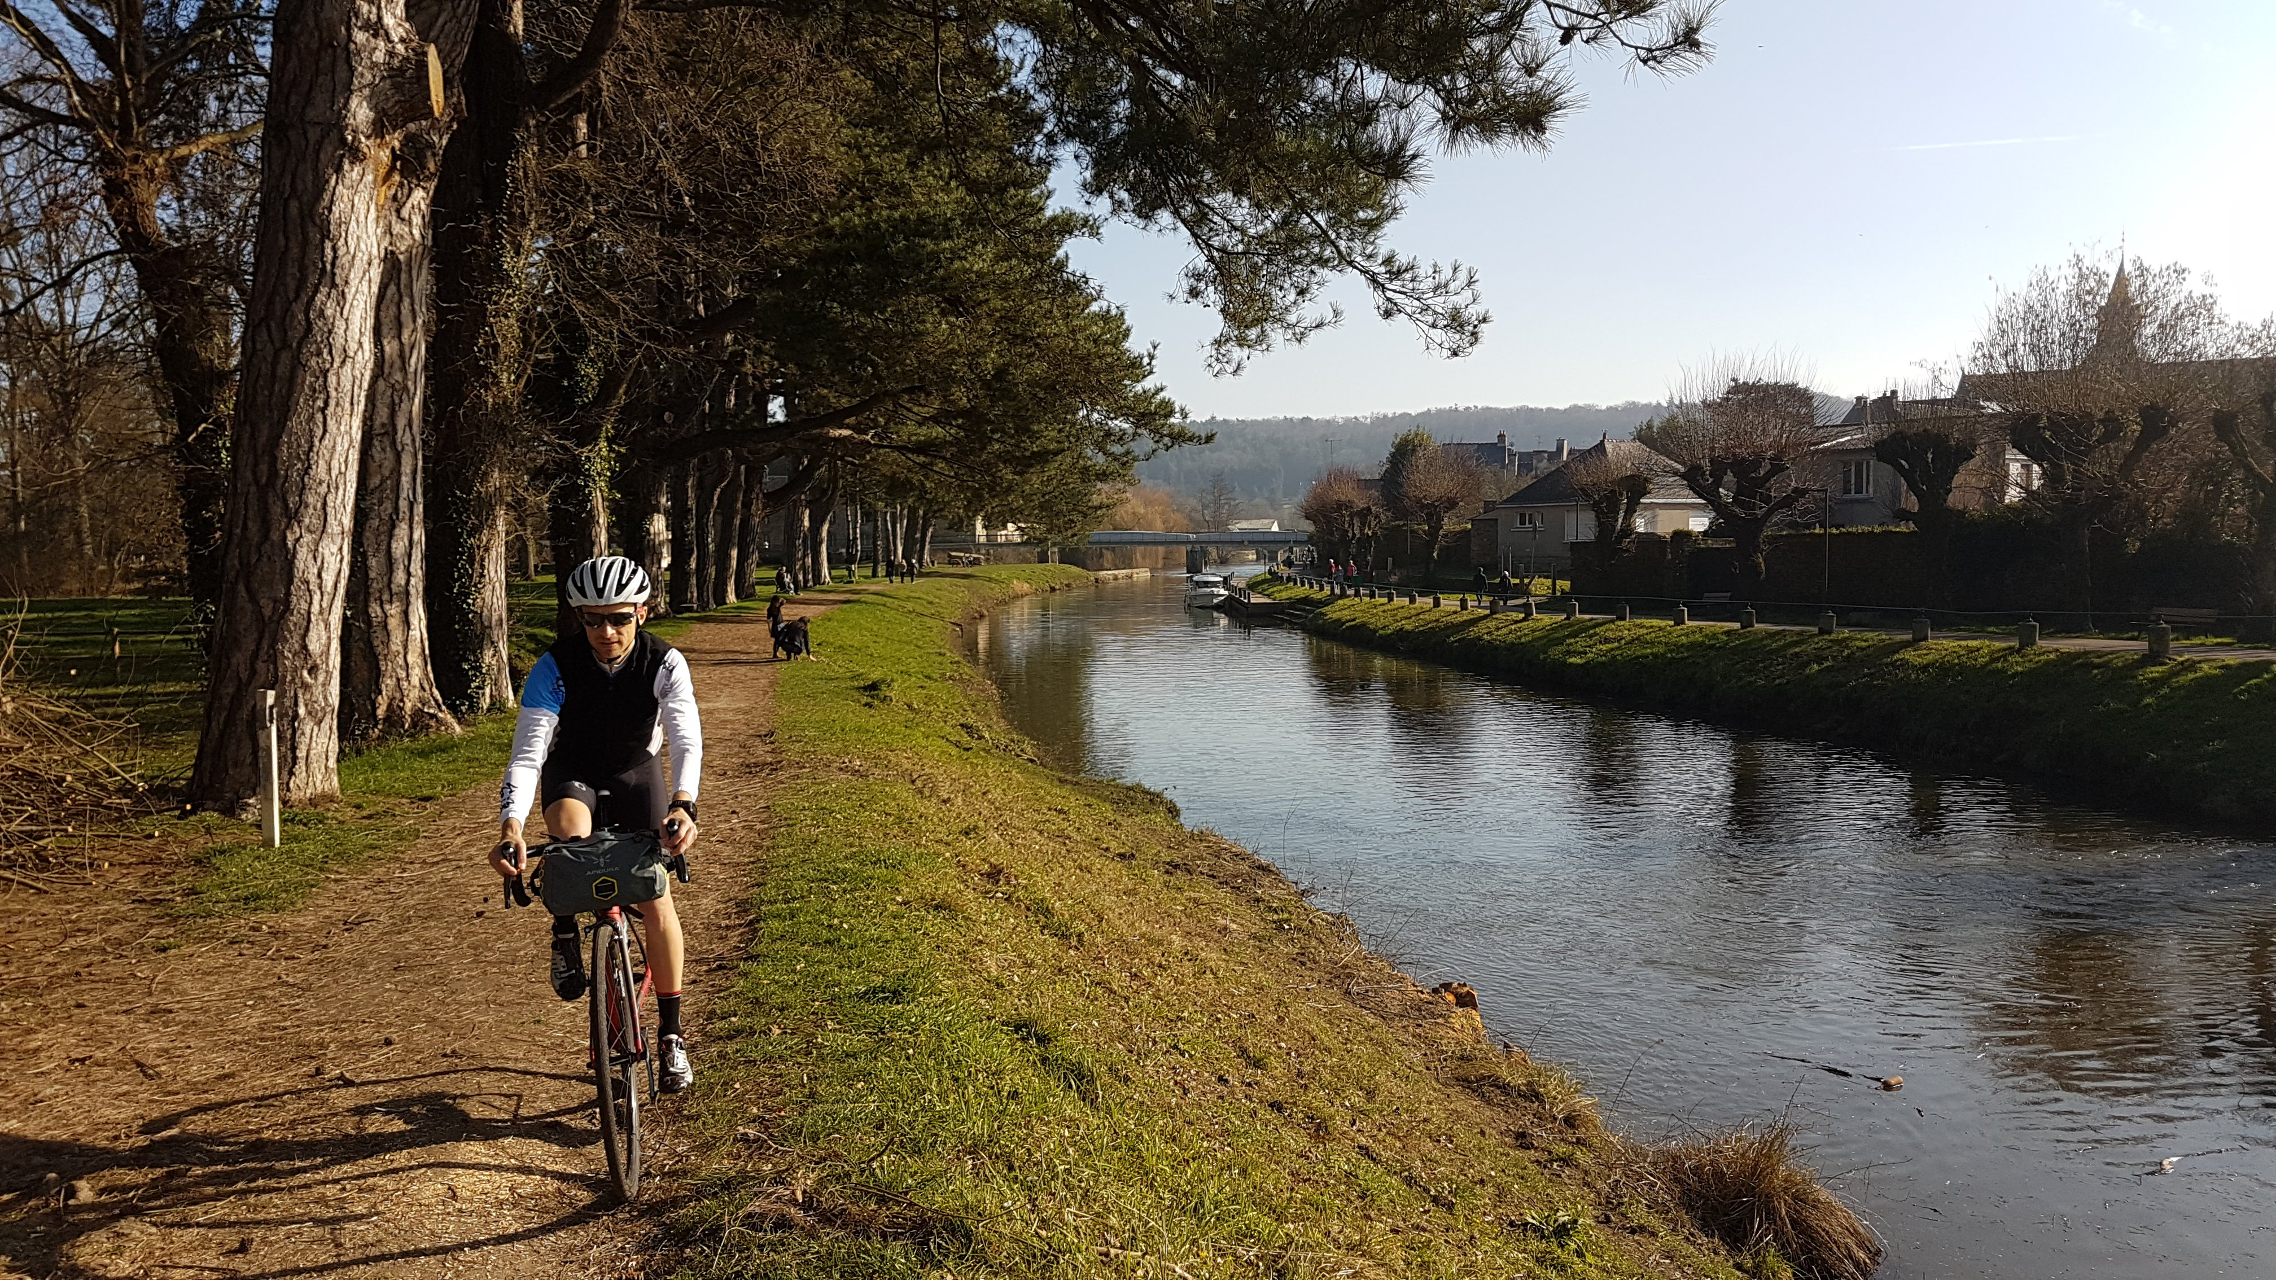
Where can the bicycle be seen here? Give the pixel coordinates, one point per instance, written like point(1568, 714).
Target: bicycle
point(619, 1047)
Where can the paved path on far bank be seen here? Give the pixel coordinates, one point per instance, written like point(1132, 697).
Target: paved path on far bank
point(378, 1084)
point(2090, 644)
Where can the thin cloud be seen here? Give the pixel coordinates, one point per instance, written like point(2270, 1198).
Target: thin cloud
point(1986, 142)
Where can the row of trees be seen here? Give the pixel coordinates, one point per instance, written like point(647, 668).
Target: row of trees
point(680, 264)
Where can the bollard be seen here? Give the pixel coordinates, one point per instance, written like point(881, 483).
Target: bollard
point(2027, 635)
point(1826, 623)
point(1410, 597)
point(1682, 616)
point(1434, 599)
point(1572, 609)
point(1920, 629)
point(1746, 619)
point(2161, 641)
point(1462, 603)
point(1530, 610)
point(272, 812)
point(1623, 611)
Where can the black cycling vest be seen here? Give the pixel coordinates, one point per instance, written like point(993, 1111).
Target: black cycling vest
point(607, 721)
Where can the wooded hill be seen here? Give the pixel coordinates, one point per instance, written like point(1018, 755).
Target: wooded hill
point(1273, 460)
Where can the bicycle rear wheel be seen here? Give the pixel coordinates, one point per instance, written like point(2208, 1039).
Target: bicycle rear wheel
point(617, 1043)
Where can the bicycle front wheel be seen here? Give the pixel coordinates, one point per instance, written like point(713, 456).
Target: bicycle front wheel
point(617, 1050)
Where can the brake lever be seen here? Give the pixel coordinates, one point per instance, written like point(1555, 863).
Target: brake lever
point(512, 890)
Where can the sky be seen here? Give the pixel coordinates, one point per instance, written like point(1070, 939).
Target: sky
point(1847, 184)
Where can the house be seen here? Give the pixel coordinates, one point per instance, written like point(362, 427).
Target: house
point(1860, 489)
point(1537, 526)
point(1253, 526)
point(1507, 465)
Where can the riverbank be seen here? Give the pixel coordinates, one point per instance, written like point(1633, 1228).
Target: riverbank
point(2195, 736)
point(997, 1019)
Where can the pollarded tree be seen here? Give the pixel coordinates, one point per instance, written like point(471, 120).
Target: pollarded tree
point(1735, 433)
point(2250, 437)
point(1613, 479)
point(1346, 517)
point(1434, 487)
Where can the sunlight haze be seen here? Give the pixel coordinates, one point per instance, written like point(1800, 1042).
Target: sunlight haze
point(1845, 183)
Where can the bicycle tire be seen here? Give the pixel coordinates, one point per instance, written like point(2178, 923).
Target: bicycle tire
point(613, 1004)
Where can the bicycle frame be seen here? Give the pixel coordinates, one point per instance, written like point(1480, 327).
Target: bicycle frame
point(628, 1039)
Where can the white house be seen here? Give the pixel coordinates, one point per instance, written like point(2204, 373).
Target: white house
point(1539, 524)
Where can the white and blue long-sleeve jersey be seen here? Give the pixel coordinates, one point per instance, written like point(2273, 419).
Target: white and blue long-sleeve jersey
point(583, 715)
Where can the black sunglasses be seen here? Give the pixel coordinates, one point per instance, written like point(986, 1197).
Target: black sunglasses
point(595, 621)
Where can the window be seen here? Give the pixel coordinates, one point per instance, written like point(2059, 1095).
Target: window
point(1528, 520)
point(1857, 478)
point(2022, 477)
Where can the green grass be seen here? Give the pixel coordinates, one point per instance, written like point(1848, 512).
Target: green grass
point(157, 679)
point(2196, 736)
point(389, 790)
point(998, 1021)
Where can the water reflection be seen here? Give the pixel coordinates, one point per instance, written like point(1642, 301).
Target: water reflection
point(1682, 913)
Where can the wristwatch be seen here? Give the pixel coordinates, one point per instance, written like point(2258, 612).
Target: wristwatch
point(688, 805)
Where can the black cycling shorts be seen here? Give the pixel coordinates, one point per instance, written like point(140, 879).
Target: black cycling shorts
point(634, 800)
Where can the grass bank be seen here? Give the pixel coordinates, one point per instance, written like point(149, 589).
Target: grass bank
point(138, 661)
point(2196, 736)
point(1002, 1021)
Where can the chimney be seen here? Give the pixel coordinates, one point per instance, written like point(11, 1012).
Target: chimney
point(1564, 450)
point(1502, 438)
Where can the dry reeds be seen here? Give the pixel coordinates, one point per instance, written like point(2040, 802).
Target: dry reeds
point(1748, 1189)
point(60, 776)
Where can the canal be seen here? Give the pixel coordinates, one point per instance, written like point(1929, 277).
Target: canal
point(1697, 920)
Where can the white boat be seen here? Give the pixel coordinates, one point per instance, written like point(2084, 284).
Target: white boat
point(1205, 591)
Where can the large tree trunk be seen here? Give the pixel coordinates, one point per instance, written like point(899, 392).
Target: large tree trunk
point(476, 365)
point(387, 683)
point(818, 538)
point(647, 523)
point(750, 530)
point(795, 528)
point(704, 531)
point(338, 99)
point(684, 558)
point(727, 534)
point(577, 527)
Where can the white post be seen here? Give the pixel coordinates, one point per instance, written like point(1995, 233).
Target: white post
point(272, 818)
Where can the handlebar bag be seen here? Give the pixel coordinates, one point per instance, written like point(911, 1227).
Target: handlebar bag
point(603, 870)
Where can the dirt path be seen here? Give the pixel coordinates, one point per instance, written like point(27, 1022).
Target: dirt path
point(380, 1084)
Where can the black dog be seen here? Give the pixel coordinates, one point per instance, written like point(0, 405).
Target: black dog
point(792, 640)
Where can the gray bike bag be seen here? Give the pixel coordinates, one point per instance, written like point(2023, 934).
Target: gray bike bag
point(603, 870)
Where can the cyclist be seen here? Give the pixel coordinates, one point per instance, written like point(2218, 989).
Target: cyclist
point(594, 711)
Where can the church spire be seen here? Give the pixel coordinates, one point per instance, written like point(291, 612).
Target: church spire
point(2117, 330)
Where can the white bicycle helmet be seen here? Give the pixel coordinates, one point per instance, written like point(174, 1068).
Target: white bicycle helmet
point(608, 580)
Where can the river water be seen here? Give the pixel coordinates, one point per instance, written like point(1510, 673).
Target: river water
point(1695, 920)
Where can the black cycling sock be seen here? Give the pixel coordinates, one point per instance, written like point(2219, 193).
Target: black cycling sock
point(668, 1014)
point(564, 926)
